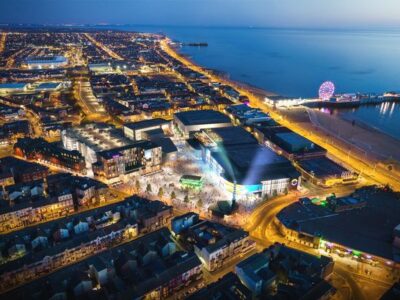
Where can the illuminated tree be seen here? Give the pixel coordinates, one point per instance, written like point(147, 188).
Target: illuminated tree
point(173, 195)
point(160, 192)
point(186, 199)
point(148, 188)
point(199, 203)
point(137, 185)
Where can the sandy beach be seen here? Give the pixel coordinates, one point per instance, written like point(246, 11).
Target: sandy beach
point(382, 146)
point(345, 143)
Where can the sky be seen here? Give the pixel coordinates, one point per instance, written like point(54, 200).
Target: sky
point(259, 13)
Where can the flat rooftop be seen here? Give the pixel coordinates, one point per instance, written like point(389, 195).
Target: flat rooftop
point(13, 85)
point(253, 163)
point(199, 117)
point(45, 59)
point(98, 136)
point(146, 123)
point(368, 229)
point(233, 135)
point(322, 167)
point(295, 139)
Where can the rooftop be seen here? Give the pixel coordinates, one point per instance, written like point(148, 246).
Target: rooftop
point(368, 229)
point(303, 272)
point(322, 167)
point(233, 135)
point(213, 236)
point(45, 59)
point(146, 123)
point(200, 117)
point(228, 287)
point(13, 85)
point(136, 268)
point(251, 164)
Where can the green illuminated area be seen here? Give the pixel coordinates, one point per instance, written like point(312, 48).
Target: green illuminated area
point(191, 182)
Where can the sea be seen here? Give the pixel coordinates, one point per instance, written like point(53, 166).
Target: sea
point(294, 62)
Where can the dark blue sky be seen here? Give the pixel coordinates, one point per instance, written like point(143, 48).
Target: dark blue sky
point(279, 13)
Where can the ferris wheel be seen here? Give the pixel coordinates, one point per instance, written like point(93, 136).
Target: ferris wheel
point(326, 90)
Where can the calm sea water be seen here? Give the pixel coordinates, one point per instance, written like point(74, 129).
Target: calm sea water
point(296, 62)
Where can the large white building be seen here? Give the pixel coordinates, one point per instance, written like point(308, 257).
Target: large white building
point(189, 122)
point(45, 62)
point(243, 166)
point(108, 153)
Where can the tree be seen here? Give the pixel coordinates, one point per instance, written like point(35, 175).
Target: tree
point(148, 188)
point(173, 195)
point(137, 185)
point(186, 199)
point(160, 192)
point(199, 203)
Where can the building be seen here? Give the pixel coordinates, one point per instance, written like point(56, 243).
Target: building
point(291, 145)
point(228, 287)
point(362, 226)
point(13, 88)
point(189, 122)
point(244, 115)
point(135, 131)
point(71, 237)
point(253, 169)
point(17, 214)
point(213, 243)
point(39, 149)
point(109, 154)
point(48, 198)
point(280, 271)
point(325, 172)
point(150, 215)
point(45, 62)
point(10, 131)
point(153, 130)
point(279, 101)
point(51, 86)
point(149, 267)
point(22, 171)
point(9, 113)
point(140, 157)
point(243, 166)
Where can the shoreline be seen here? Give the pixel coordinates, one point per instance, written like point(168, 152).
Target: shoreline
point(362, 124)
point(260, 92)
point(380, 146)
point(337, 147)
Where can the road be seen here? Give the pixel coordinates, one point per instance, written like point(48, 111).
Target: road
point(32, 116)
point(3, 39)
point(263, 231)
point(103, 47)
point(90, 105)
point(333, 146)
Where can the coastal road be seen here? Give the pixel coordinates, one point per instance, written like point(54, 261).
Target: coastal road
point(3, 39)
point(343, 155)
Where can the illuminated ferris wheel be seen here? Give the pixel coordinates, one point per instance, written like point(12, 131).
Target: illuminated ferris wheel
point(326, 90)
